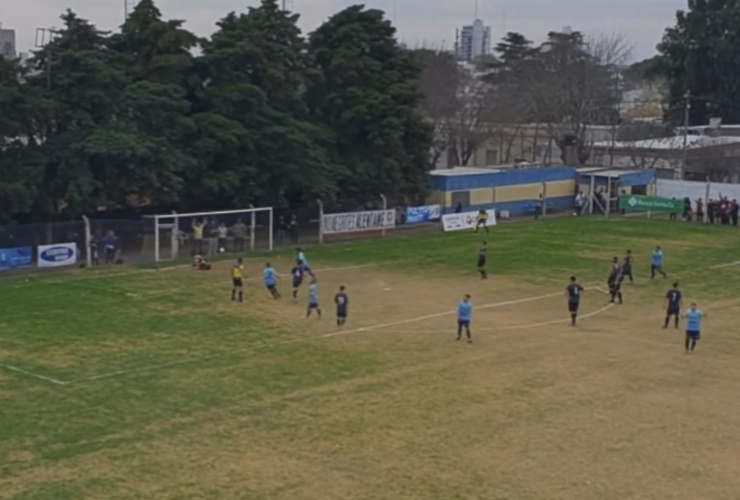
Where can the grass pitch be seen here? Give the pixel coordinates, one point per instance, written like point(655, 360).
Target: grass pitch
point(138, 384)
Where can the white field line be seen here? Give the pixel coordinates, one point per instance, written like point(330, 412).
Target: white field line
point(721, 266)
point(308, 339)
point(34, 375)
point(544, 323)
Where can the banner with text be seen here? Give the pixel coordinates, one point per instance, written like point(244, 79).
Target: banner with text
point(639, 203)
point(61, 254)
point(427, 213)
point(466, 220)
point(373, 220)
point(15, 258)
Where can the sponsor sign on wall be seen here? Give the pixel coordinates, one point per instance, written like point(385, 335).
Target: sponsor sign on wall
point(358, 221)
point(61, 254)
point(466, 220)
point(427, 213)
point(15, 258)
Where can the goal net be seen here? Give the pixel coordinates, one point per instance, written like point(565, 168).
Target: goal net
point(212, 233)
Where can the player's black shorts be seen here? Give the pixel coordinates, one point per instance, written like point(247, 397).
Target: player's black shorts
point(341, 313)
point(237, 282)
point(481, 262)
point(573, 306)
point(693, 335)
point(297, 283)
point(463, 323)
point(674, 311)
point(313, 305)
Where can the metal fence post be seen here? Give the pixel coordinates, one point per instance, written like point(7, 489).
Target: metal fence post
point(156, 238)
point(385, 207)
point(88, 240)
point(175, 237)
point(321, 221)
point(543, 208)
point(706, 202)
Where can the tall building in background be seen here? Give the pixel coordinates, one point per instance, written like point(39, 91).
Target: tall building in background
point(7, 43)
point(473, 41)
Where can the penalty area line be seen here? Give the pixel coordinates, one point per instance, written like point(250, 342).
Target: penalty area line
point(31, 374)
point(370, 328)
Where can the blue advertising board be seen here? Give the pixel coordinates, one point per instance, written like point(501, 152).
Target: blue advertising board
point(426, 213)
point(15, 258)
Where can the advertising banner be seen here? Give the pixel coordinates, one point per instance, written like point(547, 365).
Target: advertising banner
point(427, 213)
point(61, 254)
point(15, 258)
point(466, 220)
point(373, 220)
point(639, 203)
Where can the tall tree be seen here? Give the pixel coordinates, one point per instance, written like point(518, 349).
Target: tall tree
point(369, 99)
point(440, 79)
point(256, 142)
point(699, 56)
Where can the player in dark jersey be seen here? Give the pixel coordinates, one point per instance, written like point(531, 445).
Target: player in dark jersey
point(482, 258)
point(615, 281)
point(573, 292)
point(673, 303)
point(627, 267)
point(296, 275)
point(342, 301)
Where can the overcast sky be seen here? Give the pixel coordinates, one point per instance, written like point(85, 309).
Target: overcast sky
point(419, 22)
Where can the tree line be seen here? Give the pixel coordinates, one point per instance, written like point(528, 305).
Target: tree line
point(255, 114)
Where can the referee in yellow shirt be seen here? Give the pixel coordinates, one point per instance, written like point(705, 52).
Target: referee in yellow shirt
point(482, 221)
point(237, 277)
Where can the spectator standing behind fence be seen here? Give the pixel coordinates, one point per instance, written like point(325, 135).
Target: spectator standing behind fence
point(538, 207)
point(458, 208)
point(212, 229)
point(673, 215)
point(699, 210)
point(281, 230)
point(294, 229)
point(198, 229)
point(240, 234)
point(687, 209)
point(110, 247)
point(223, 233)
point(94, 249)
point(711, 208)
point(734, 212)
point(580, 201)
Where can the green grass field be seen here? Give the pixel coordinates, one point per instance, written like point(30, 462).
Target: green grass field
point(151, 384)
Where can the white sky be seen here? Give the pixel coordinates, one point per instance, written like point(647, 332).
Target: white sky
point(419, 22)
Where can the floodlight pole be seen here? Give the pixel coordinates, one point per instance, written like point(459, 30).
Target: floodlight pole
point(156, 238)
point(385, 207)
point(321, 221)
point(686, 113)
point(175, 237)
point(88, 238)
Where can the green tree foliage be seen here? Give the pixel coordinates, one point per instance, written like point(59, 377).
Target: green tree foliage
point(259, 116)
point(368, 98)
point(699, 56)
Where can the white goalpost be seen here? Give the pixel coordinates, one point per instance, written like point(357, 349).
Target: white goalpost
point(209, 233)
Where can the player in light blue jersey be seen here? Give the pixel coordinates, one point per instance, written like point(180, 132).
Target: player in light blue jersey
point(694, 317)
point(464, 315)
point(657, 265)
point(271, 276)
point(313, 299)
point(301, 258)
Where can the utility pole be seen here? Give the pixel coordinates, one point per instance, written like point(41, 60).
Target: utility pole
point(686, 112)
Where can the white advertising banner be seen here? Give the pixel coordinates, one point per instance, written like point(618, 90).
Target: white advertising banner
point(61, 254)
point(358, 221)
point(466, 220)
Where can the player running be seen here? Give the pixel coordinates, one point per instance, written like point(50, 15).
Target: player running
point(296, 275)
point(615, 281)
point(573, 292)
point(237, 278)
point(464, 314)
point(482, 258)
point(657, 265)
point(627, 267)
point(673, 304)
point(271, 276)
point(313, 299)
point(694, 318)
point(342, 301)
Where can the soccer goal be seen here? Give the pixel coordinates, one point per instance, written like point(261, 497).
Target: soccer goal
point(211, 233)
